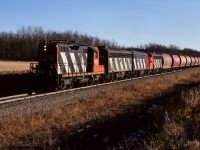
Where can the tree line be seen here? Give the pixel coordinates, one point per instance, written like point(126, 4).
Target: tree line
point(171, 49)
point(22, 45)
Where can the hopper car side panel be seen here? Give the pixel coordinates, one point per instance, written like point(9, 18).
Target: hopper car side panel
point(196, 61)
point(188, 61)
point(176, 61)
point(167, 61)
point(183, 61)
point(193, 61)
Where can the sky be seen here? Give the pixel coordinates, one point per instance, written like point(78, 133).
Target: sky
point(127, 22)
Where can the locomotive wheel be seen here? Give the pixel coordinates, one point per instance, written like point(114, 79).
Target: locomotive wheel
point(91, 81)
point(71, 85)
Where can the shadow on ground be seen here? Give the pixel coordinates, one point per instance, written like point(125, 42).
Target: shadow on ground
point(12, 84)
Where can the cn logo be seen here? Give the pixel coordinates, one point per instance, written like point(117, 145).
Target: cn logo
point(46, 57)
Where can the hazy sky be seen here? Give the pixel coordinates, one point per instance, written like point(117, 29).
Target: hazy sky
point(128, 22)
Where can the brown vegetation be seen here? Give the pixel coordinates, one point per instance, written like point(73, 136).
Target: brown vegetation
point(174, 123)
point(45, 128)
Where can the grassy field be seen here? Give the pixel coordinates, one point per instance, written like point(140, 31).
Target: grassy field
point(7, 67)
point(44, 128)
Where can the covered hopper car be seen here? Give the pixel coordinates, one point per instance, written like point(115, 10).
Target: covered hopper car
point(183, 61)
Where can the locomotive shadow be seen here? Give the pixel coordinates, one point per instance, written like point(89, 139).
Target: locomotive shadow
point(13, 84)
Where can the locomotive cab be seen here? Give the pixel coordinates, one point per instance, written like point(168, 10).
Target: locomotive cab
point(63, 64)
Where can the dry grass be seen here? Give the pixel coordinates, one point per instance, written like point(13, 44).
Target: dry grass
point(44, 128)
point(7, 67)
point(180, 126)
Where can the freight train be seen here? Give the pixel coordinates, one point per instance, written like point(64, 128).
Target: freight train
point(63, 64)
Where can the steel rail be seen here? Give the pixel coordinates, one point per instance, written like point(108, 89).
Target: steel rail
point(23, 97)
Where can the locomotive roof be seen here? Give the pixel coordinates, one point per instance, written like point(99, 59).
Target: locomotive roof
point(111, 50)
point(156, 54)
point(140, 53)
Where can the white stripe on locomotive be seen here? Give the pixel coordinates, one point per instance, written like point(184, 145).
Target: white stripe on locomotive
point(83, 61)
point(144, 63)
point(117, 65)
point(160, 63)
point(111, 64)
point(135, 67)
point(155, 63)
point(120, 62)
point(59, 71)
point(138, 63)
point(74, 63)
point(65, 63)
point(125, 63)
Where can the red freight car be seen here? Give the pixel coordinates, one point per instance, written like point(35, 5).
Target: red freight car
point(176, 61)
point(193, 61)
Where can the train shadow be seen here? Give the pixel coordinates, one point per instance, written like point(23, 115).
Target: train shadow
point(13, 84)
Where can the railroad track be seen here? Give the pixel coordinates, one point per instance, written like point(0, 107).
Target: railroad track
point(24, 97)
